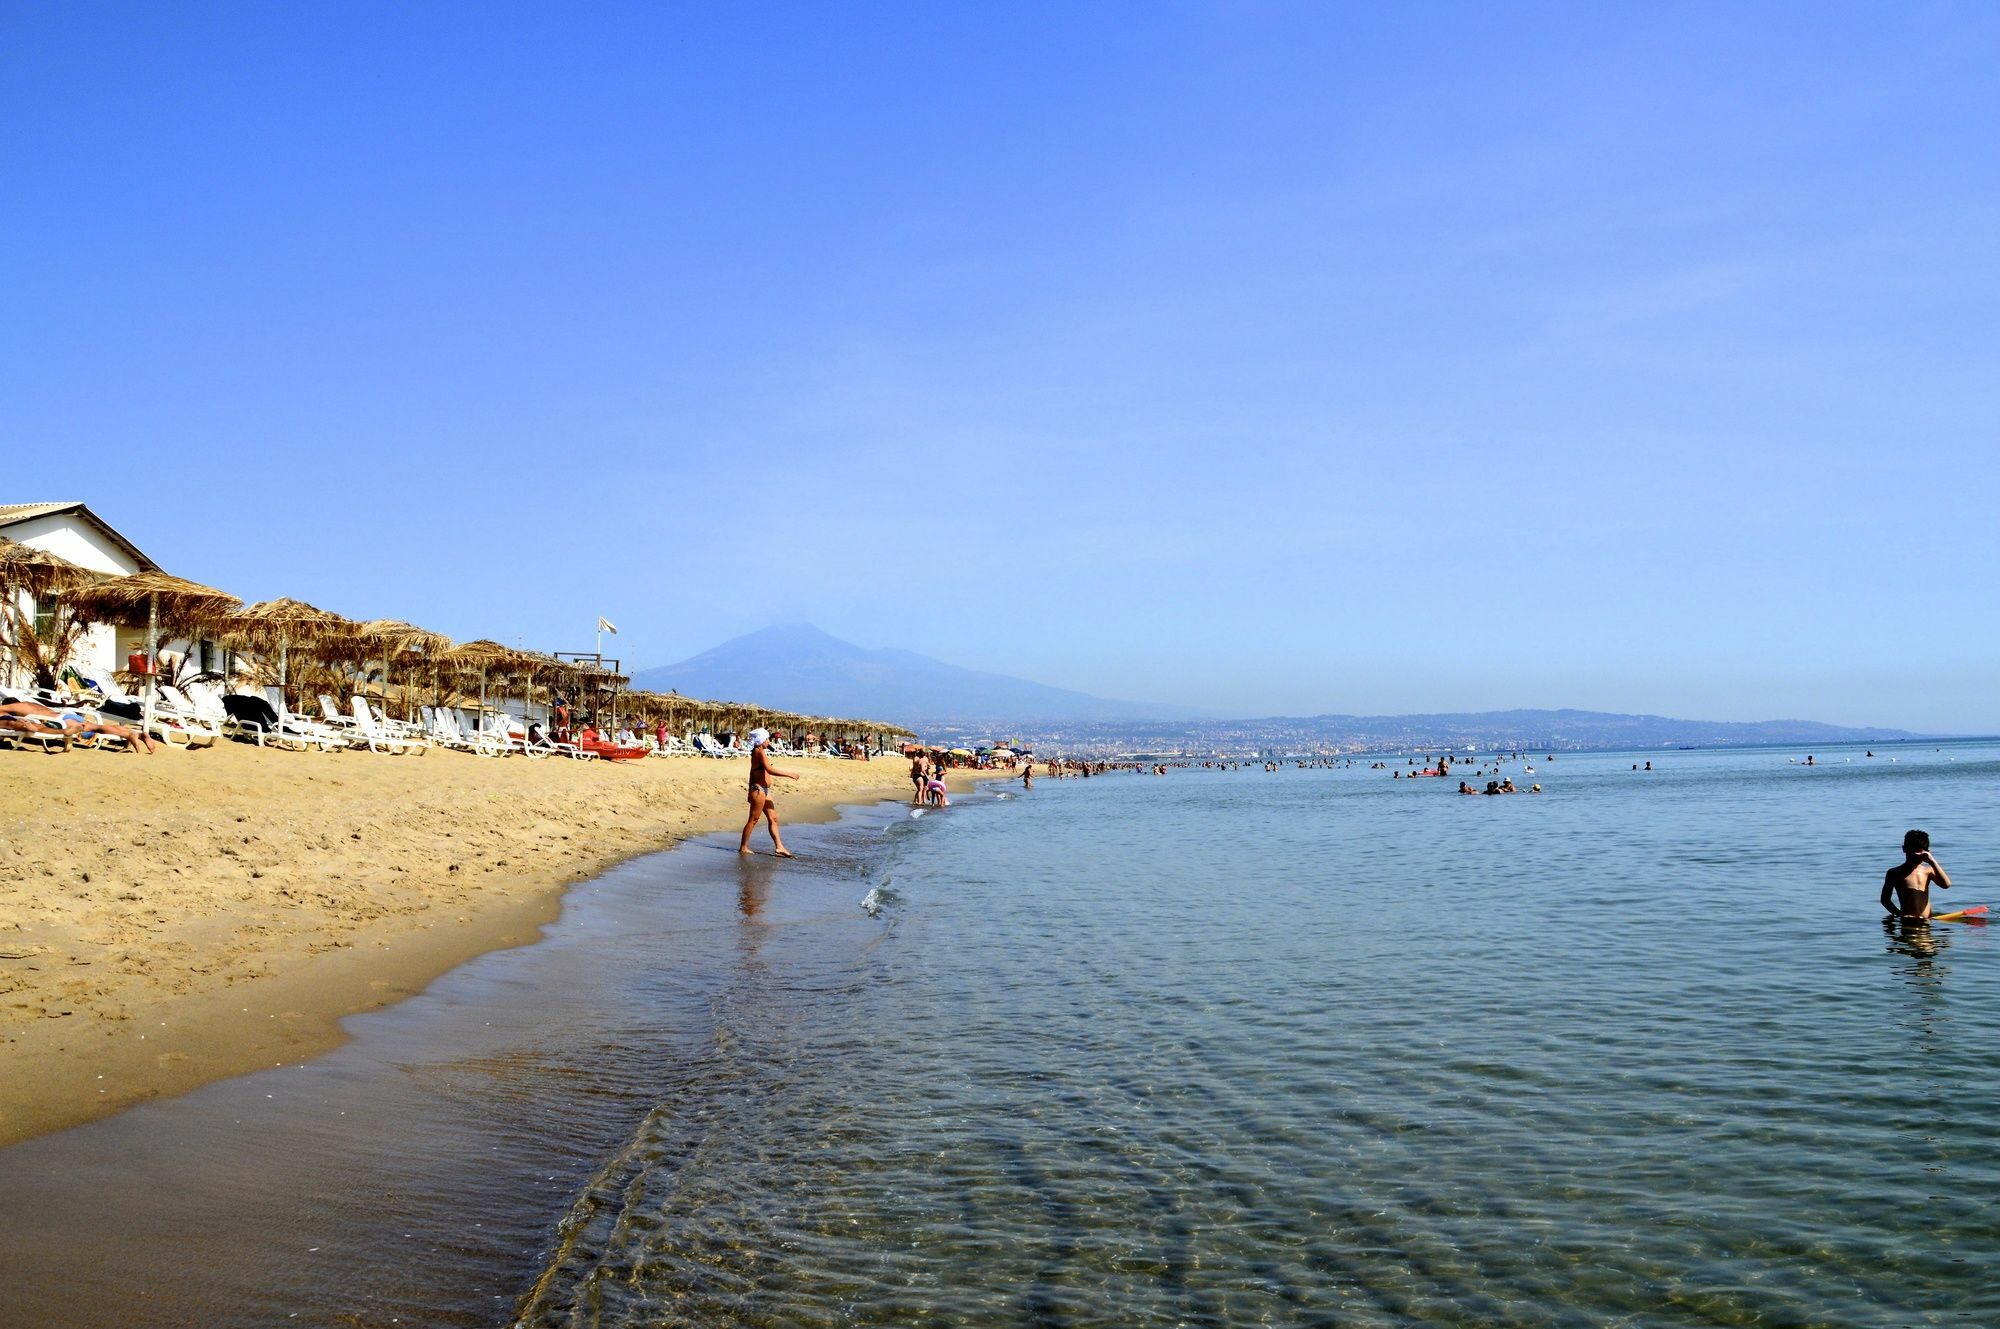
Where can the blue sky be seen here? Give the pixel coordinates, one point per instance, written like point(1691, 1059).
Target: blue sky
point(1256, 357)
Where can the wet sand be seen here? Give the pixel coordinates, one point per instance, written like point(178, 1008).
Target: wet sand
point(174, 920)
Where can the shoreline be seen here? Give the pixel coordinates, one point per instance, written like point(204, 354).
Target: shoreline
point(171, 921)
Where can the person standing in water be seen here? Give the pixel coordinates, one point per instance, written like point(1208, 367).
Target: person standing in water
point(1028, 776)
point(762, 772)
point(1906, 888)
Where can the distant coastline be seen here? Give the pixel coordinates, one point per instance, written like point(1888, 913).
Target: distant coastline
point(1486, 731)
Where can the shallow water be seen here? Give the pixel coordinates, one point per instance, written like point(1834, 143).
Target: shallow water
point(1214, 1048)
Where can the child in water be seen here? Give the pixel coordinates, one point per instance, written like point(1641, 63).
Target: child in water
point(1906, 888)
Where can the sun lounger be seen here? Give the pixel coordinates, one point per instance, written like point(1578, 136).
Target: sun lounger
point(195, 703)
point(298, 726)
point(370, 731)
point(175, 720)
point(171, 724)
point(483, 742)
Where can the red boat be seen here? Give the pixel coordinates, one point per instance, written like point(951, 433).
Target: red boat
point(610, 751)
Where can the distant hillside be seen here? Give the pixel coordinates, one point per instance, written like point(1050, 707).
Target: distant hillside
point(1593, 729)
point(800, 668)
point(1524, 729)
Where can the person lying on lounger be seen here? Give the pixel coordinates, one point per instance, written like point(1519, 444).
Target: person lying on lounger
point(27, 717)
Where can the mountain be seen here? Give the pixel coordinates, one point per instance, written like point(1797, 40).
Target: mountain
point(797, 667)
point(1521, 730)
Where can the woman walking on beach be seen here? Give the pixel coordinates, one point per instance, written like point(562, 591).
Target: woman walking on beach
point(761, 802)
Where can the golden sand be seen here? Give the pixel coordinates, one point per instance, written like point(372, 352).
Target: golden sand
point(170, 920)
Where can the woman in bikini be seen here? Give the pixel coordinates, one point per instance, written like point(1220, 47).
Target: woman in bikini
point(762, 772)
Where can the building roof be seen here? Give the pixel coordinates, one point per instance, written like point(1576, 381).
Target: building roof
point(12, 514)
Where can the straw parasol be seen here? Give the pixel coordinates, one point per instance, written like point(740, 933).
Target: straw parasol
point(393, 637)
point(278, 625)
point(175, 603)
point(38, 572)
point(487, 656)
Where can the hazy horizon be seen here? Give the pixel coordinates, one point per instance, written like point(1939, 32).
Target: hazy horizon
point(1206, 713)
point(1266, 360)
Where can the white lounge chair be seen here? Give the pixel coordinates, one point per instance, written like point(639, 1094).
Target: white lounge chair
point(310, 732)
point(199, 701)
point(483, 741)
point(370, 731)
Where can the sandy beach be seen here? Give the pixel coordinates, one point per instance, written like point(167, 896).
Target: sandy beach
point(173, 920)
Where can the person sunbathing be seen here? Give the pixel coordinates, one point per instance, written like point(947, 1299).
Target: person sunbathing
point(27, 717)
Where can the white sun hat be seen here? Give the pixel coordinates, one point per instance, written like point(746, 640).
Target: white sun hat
point(758, 736)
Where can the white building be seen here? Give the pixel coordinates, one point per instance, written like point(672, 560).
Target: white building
point(72, 531)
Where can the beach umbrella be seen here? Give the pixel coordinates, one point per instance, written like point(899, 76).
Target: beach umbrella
point(182, 606)
point(38, 572)
point(394, 637)
point(276, 626)
point(25, 569)
point(483, 655)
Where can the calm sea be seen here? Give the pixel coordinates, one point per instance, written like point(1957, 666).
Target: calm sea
point(1214, 1048)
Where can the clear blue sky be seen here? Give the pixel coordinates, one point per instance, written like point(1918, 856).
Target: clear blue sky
point(1258, 357)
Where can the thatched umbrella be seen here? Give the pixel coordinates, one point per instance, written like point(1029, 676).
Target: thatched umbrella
point(278, 625)
point(485, 655)
point(394, 637)
point(171, 602)
point(38, 573)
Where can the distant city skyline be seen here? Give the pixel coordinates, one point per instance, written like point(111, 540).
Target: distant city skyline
point(1267, 360)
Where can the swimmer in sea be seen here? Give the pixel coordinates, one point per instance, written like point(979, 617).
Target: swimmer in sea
point(1906, 888)
point(761, 803)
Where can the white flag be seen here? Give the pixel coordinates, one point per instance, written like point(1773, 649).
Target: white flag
point(606, 625)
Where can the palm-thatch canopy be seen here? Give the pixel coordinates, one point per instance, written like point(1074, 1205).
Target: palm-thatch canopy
point(176, 604)
point(400, 638)
point(485, 654)
point(285, 622)
point(38, 572)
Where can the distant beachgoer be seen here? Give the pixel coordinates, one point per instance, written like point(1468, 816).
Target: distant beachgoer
point(1492, 786)
point(1809, 760)
point(940, 797)
point(917, 777)
point(1028, 776)
point(761, 803)
point(1649, 765)
point(1534, 789)
point(1465, 788)
point(1906, 888)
